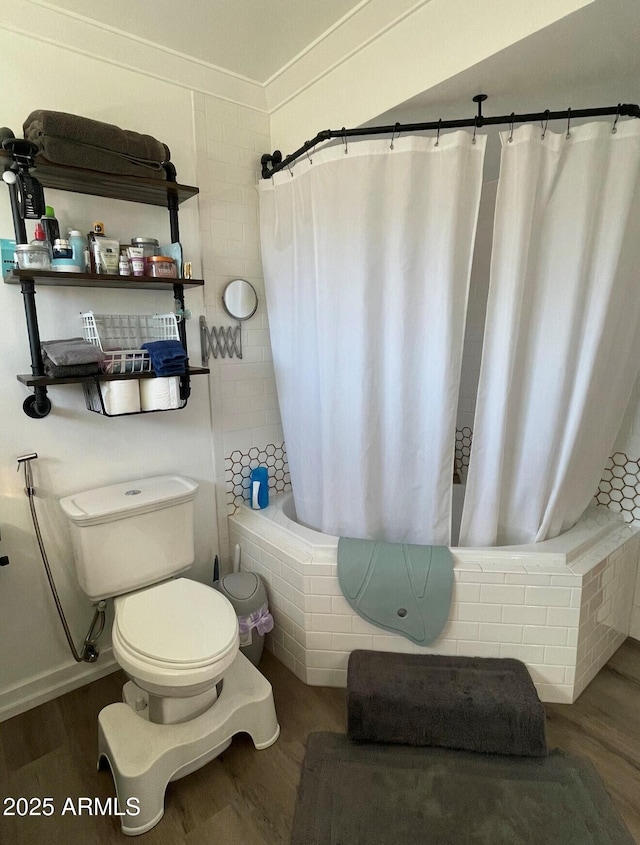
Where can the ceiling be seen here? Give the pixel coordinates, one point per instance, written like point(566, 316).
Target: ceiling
point(252, 38)
point(581, 54)
point(593, 52)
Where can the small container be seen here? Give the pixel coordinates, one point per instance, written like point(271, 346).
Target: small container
point(161, 267)
point(62, 248)
point(123, 265)
point(136, 260)
point(149, 246)
point(33, 257)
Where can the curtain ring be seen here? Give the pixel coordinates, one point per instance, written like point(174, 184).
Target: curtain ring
point(438, 134)
point(310, 160)
point(613, 128)
point(546, 123)
point(344, 138)
point(568, 135)
point(513, 115)
point(290, 171)
point(395, 129)
point(475, 129)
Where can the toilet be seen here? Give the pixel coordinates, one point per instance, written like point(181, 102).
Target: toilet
point(190, 687)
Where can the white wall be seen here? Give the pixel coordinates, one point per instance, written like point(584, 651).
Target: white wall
point(390, 52)
point(78, 449)
point(230, 139)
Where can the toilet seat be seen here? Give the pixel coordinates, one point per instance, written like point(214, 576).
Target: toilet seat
point(179, 634)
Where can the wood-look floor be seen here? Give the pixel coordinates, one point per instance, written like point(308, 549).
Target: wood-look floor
point(247, 797)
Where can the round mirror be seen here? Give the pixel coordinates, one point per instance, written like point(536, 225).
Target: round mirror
point(240, 299)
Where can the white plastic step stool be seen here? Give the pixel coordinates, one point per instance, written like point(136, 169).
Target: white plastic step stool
point(144, 757)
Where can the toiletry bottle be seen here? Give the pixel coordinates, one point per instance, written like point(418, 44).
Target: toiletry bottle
point(78, 245)
point(96, 232)
point(50, 227)
point(40, 239)
point(259, 488)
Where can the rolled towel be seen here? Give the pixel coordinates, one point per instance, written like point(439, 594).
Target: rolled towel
point(71, 351)
point(73, 154)
point(106, 136)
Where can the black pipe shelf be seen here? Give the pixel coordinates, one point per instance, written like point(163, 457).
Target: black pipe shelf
point(44, 381)
point(127, 188)
point(96, 280)
point(167, 193)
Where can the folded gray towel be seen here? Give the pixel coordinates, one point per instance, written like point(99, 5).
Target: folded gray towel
point(72, 154)
point(54, 371)
point(106, 136)
point(71, 351)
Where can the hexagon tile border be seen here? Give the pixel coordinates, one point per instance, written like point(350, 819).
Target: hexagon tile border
point(238, 466)
point(619, 489)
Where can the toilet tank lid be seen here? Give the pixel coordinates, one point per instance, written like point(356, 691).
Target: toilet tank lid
point(128, 498)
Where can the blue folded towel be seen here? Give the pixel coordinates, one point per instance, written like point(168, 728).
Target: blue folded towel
point(168, 357)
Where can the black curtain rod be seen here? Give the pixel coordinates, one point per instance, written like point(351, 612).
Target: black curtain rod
point(274, 163)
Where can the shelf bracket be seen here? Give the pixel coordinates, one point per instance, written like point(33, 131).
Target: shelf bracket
point(223, 341)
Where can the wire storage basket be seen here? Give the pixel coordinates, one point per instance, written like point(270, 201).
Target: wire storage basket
point(120, 337)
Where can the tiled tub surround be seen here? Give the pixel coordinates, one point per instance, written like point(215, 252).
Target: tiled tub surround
point(562, 606)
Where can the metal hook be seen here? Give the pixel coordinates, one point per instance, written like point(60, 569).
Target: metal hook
point(546, 123)
point(568, 135)
point(614, 129)
point(346, 148)
point(290, 171)
point(395, 129)
point(306, 152)
point(475, 129)
point(513, 116)
point(438, 135)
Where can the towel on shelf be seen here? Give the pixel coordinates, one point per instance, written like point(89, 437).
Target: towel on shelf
point(106, 136)
point(168, 357)
point(75, 141)
point(55, 371)
point(71, 351)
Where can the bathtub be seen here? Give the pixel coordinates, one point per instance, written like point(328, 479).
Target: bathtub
point(562, 606)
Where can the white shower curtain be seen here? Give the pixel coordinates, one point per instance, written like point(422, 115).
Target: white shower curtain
point(367, 255)
point(562, 335)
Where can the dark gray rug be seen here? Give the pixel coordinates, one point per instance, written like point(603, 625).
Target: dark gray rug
point(400, 795)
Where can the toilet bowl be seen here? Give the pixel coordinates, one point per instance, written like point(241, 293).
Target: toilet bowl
point(175, 640)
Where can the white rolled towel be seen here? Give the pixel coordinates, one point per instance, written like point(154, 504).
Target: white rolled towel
point(160, 394)
point(121, 396)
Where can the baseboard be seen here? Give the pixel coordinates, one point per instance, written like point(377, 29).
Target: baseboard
point(50, 685)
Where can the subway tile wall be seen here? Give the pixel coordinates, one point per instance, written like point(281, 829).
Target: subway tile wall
point(563, 624)
point(230, 140)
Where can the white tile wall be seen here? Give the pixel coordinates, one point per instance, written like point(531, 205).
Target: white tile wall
point(230, 139)
point(563, 625)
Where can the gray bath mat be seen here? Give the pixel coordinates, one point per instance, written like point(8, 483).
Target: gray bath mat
point(400, 795)
point(470, 703)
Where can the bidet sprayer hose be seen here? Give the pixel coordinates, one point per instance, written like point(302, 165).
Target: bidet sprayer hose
point(88, 654)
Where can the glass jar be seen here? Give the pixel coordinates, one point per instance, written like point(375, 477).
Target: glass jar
point(149, 246)
point(161, 267)
point(32, 257)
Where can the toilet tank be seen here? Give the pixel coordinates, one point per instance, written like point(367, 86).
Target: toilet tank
point(126, 536)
